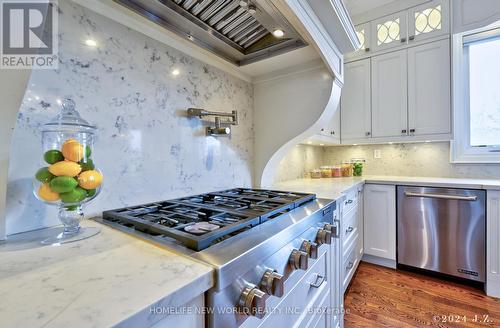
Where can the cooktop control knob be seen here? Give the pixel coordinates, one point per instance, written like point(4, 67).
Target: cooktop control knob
point(298, 260)
point(324, 237)
point(272, 283)
point(310, 248)
point(253, 302)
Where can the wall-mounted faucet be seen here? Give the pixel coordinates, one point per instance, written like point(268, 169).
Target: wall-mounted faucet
point(221, 127)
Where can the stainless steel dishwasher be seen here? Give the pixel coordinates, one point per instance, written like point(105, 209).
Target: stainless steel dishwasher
point(442, 230)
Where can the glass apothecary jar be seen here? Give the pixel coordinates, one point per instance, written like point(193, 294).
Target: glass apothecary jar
point(68, 177)
point(346, 169)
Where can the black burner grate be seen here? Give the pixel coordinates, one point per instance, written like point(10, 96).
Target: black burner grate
point(202, 220)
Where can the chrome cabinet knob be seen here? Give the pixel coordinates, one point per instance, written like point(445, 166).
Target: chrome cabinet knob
point(272, 283)
point(252, 302)
point(298, 260)
point(310, 248)
point(324, 236)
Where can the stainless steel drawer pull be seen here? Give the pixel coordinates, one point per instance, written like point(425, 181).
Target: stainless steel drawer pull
point(348, 201)
point(350, 229)
point(441, 196)
point(349, 265)
point(319, 281)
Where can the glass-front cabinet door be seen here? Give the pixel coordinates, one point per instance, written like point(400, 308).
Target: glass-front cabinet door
point(389, 31)
point(364, 36)
point(428, 20)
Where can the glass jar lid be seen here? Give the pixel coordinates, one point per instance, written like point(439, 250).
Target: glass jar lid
point(68, 120)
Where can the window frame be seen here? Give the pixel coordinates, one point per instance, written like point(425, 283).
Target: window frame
point(461, 151)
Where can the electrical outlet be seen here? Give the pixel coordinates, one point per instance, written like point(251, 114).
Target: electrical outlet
point(377, 154)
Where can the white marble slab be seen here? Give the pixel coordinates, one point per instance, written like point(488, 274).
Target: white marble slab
point(102, 281)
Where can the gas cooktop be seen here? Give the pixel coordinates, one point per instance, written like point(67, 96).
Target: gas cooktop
point(203, 220)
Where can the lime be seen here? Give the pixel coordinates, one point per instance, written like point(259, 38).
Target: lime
point(53, 156)
point(91, 193)
point(63, 184)
point(74, 196)
point(71, 208)
point(88, 151)
point(87, 164)
point(43, 175)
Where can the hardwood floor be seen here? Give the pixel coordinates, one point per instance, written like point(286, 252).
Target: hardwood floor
point(381, 297)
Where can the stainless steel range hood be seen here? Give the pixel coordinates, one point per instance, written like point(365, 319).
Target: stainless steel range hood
point(240, 31)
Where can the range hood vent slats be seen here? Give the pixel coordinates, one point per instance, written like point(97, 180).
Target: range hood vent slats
point(200, 6)
point(253, 37)
point(213, 8)
point(249, 24)
point(245, 33)
point(228, 18)
point(221, 14)
point(237, 18)
point(223, 27)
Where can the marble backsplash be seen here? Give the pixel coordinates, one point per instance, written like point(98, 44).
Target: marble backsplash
point(146, 148)
point(414, 159)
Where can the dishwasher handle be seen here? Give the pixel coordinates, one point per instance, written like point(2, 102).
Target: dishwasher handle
point(441, 196)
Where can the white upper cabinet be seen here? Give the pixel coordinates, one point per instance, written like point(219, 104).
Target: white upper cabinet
point(428, 20)
point(429, 105)
point(355, 101)
point(332, 129)
point(389, 31)
point(389, 94)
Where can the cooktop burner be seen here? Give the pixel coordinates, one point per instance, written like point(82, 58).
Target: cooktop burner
point(203, 220)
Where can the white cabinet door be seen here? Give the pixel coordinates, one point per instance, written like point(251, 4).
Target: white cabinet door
point(389, 31)
point(429, 104)
point(332, 129)
point(428, 20)
point(355, 103)
point(389, 94)
point(493, 244)
point(380, 221)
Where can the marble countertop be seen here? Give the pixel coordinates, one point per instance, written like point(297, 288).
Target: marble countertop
point(109, 279)
point(334, 187)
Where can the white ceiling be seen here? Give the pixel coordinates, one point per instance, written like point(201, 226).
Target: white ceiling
point(356, 7)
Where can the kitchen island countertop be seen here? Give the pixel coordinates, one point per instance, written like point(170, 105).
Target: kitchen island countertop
point(332, 188)
point(109, 279)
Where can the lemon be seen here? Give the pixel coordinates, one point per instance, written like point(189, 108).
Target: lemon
point(45, 193)
point(90, 179)
point(72, 150)
point(65, 168)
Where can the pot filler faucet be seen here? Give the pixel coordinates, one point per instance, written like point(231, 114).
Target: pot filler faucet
point(222, 120)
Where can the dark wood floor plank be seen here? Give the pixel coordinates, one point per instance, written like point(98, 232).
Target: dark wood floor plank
point(382, 297)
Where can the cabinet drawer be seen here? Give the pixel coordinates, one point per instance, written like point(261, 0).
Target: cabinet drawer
point(350, 227)
point(350, 264)
point(351, 199)
point(302, 297)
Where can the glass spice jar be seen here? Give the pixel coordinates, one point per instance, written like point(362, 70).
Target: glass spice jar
point(316, 174)
point(346, 169)
point(326, 172)
point(336, 171)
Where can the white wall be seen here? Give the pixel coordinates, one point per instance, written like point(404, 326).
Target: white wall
point(413, 159)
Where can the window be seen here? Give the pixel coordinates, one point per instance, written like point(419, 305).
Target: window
point(477, 97)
